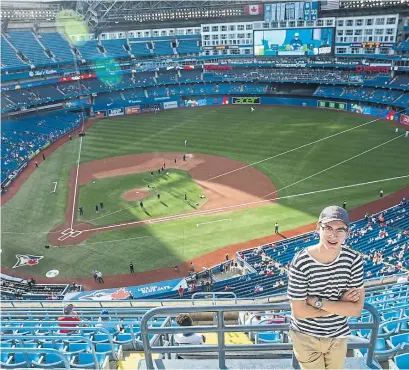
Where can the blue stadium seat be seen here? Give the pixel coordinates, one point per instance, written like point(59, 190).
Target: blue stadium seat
point(402, 361)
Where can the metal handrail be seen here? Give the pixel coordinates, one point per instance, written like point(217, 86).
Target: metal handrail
point(215, 295)
point(20, 338)
point(26, 351)
point(221, 328)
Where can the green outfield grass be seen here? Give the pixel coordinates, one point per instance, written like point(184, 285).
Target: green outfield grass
point(171, 185)
point(232, 132)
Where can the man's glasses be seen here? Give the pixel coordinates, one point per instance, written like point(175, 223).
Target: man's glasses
point(341, 232)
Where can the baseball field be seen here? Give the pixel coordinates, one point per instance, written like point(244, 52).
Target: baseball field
point(242, 173)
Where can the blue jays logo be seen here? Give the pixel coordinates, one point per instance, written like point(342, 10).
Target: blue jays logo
point(27, 260)
point(106, 295)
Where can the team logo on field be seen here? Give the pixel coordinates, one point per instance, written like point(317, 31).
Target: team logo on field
point(27, 260)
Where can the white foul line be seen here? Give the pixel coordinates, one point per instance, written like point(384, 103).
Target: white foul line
point(76, 180)
point(300, 147)
point(212, 222)
point(55, 186)
point(333, 166)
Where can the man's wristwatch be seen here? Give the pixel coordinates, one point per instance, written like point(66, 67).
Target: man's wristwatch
point(318, 304)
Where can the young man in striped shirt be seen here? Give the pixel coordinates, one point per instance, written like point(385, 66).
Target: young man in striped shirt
point(325, 287)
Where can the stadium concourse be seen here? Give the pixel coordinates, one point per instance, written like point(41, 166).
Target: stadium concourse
point(86, 85)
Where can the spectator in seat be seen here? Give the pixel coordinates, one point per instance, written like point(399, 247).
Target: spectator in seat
point(69, 315)
point(184, 319)
point(104, 321)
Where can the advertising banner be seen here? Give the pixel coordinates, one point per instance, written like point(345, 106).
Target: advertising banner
point(295, 41)
point(170, 104)
point(245, 100)
point(100, 114)
point(115, 112)
point(404, 119)
point(133, 110)
point(206, 101)
point(372, 111)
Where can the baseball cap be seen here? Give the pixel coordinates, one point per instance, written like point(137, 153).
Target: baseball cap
point(334, 213)
point(104, 313)
point(296, 34)
point(68, 308)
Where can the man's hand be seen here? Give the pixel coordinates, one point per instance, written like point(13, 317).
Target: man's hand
point(351, 295)
point(311, 300)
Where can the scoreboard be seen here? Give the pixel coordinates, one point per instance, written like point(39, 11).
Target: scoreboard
point(332, 105)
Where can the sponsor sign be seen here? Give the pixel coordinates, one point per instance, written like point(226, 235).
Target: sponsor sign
point(372, 69)
point(27, 260)
point(77, 78)
point(404, 119)
point(170, 104)
point(247, 100)
point(101, 114)
point(42, 72)
point(212, 67)
point(133, 110)
point(115, 112)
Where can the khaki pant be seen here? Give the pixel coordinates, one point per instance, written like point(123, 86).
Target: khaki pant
point(319, 353)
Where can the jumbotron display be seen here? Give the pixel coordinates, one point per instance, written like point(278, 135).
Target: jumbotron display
point(295, 41)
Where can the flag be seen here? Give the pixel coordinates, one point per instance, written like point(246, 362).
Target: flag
point(253, 9)
point(330, 5)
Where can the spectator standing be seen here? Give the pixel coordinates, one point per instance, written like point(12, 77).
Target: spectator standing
point(180, 291)
point(319, 313)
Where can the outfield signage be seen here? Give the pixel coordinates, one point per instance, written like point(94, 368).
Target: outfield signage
point(404, 119)
point(133, 110)
point(246, 100)
point(170, 105)
point(115, 112)
point(101, 114)
point(332, 105)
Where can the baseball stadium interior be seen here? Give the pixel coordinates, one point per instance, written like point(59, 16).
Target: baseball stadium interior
point(164, 161)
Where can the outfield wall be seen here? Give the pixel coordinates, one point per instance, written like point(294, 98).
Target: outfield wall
point(143, 105)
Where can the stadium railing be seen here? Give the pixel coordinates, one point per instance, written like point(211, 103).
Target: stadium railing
point(214, 296)
point(220, 328)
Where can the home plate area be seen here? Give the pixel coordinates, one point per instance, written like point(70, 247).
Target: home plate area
point(69, 233)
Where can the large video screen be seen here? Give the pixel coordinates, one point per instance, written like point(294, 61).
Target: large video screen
point(294, 41)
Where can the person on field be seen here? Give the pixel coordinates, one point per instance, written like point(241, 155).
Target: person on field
point(101, 205)
point(276, 227)
point(325, 288)
point(131, 268)
point(81, 210)
point(96, 208)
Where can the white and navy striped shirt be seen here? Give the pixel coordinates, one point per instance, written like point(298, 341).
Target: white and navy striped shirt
point(308, 277)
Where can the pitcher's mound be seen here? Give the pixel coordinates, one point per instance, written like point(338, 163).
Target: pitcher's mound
point(135, 194)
